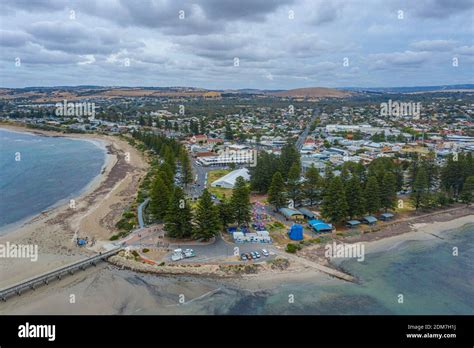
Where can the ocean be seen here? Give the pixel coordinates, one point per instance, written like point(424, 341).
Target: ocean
point(37, 172)
point(426, 273)
point(431, 279)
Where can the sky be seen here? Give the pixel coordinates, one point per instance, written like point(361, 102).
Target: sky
point(230, 44)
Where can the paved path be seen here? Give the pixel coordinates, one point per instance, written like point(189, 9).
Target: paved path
point(140, 212)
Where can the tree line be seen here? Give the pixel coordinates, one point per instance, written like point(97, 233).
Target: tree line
point(168, 202)
point(361, 190)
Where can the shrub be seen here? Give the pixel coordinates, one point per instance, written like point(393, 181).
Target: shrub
point(145, 250)
point(292, 248)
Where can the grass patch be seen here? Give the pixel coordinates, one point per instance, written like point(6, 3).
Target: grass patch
point(219, 192)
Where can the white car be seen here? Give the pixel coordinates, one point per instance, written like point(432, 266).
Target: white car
point(189, 253)
point(265, 252)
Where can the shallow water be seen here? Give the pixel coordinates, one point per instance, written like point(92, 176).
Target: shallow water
point(51, 169)
point(430, 278)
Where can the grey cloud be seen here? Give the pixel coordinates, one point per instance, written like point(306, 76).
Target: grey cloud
point(9, 38)
point(434, 45)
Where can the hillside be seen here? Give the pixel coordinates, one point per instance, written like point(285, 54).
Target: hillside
point(313, 92)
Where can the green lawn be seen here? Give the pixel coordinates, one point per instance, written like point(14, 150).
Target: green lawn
point(219, 192)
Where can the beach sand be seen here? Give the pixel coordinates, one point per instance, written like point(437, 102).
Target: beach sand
point(97, 210)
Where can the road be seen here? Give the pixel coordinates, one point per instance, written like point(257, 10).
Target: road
point(200, 179)
point(302, 137)
point(140, 212)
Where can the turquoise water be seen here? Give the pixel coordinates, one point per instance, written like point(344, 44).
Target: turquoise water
point(51, 169)
point(430, 278)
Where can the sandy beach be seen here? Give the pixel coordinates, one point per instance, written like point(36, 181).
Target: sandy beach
point(98, 208)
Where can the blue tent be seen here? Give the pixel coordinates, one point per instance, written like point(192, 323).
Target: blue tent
point(296, 232)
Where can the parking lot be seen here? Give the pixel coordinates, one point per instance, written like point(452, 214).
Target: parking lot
point(221, 249)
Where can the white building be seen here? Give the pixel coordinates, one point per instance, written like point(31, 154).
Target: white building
point(228, 181)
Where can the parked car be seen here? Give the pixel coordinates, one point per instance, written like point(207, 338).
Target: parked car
point(254, 256)
point(189, 253)
point(265, 252)
point(249, 257)
point(243, 257)
point(257, 254)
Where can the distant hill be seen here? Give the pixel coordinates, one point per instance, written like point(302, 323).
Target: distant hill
point(415, 89)
point(313, 92)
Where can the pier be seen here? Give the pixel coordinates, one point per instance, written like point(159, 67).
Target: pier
point(57, 274)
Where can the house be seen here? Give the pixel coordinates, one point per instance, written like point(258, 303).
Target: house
point(369, 220)
point(307, 213)
point(291, 214)
point(198, 139)
point(353, 223)
point(320, 226)
point(386, 216)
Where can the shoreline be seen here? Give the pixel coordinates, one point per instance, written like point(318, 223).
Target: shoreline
point(266, 277)
point(98, 206)
point(418, 227)
point(95, 182)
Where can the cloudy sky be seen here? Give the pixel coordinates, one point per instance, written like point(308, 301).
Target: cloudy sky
point(271, 44)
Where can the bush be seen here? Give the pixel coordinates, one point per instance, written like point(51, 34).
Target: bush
point(128, 215)
point(114, 237)
point(146, 250)
point(292, 248)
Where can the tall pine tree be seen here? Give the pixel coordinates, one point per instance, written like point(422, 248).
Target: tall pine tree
point(159, 197)
point(293, 185)
point(420, 195)
point(240, 202)
point(372, 195)
point(178, 217)
point(206, 218)
point(276, 194)
point(334, 205)
point(312, 185)
point(354, 197)
point(388, 191)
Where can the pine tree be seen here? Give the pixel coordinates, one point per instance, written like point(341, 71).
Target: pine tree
point(388, 191)
point(334, 205)
point(226, 215)
point(354, 197)
point(178, 217)
point(420, 194)
point(159, 198)
point(293, 185)
point(206, 218)
point(467, 194)
point(312, 185)
point(187, 173)
point(276, 194)
point(289, 155)
point(372, 195)
point(261, 175)
point(240, 202)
